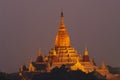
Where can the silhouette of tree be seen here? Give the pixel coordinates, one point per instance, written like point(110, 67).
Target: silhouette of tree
point(4, 76)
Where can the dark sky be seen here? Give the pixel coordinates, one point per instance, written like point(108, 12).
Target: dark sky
point(26, 25)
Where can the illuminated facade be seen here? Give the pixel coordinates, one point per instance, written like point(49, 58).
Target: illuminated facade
point(64, 53)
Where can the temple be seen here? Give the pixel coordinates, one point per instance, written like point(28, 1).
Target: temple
point(64, 54)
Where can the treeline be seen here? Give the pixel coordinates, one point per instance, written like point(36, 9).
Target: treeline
point(62, 73)
point(6, 76)
point(114, 70)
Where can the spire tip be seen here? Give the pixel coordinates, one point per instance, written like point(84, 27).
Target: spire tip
point(39, 52)
point(61, 12)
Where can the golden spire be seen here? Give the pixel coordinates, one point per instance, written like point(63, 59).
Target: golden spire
point(39, 52)
point(85, 51)
point(103, 66)
point(62, 38)
point(62, 20)
point(85, 55)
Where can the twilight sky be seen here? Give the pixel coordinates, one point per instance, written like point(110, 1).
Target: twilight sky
point(26, 25)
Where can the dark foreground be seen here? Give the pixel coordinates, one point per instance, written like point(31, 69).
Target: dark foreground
point(72, 75)
point(56, 74)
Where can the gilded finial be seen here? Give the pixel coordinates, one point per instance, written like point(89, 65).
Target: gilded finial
point(62, 13)
point(39, 52)
point(85, 50)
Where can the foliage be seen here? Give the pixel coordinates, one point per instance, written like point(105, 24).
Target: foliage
point(4, 76)
point(61, 73)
